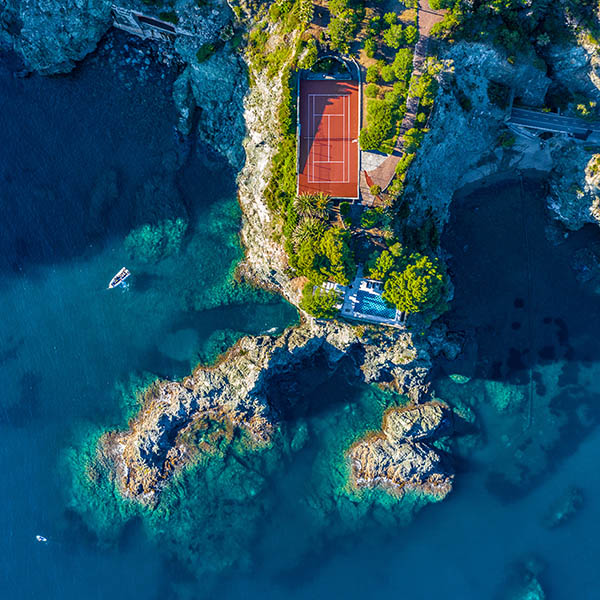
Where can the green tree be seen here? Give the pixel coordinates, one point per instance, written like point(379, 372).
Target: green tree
point(403, 64)
point(390, 18)
point(388, 74)
point(370, 47)
point(382, 265)
point(394, 36)
point(308, 260)
point(308, 229)
point(411, 35)
point(338, 262)
point(342, 29)
point(420, 286)
point(412, 140)
point(319, 303)
point(371, 90)
point(312, 205)
point(337, 7)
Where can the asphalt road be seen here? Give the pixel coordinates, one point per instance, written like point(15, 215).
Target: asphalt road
point(551, 121)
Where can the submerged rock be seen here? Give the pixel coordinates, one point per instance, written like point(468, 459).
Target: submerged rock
point(523, 581)
point(564, 508)
point(401, 456)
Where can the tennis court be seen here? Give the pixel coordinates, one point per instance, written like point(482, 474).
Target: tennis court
point(328, 141)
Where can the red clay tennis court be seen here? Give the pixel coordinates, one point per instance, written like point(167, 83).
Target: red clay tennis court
point(328, 143)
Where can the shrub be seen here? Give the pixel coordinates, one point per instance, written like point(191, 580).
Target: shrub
point(371, 90)
point(370, 47)
point(390, 18)
point(420, 286)
point(396, 188)
point(375, 25)
point(344, 209)
point(319, 303)
point(372, 217)
point(205, 52)
point(506, 139)
point(379, 118)
point(170, 16)
point(404, 163)
point(388, 74)
point(498, 94)
point(373, 73)
point(375, 190)
point(309, 57)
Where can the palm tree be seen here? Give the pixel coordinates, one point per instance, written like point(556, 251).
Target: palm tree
point(309, 228)
point(312, 205)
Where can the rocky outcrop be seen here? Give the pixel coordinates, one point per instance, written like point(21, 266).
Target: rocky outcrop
point(575, 185)
point(400, 457)
point(52, 35)
point(233, 406)
point(576, 67)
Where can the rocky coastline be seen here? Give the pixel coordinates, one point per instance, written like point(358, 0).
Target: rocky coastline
point(235, 405)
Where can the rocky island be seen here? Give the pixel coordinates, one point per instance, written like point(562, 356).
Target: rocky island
point(444, 112)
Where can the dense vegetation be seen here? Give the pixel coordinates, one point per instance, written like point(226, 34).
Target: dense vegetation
point(413, 282)
point(516, 25)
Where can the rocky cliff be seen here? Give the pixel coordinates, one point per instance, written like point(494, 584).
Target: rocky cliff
point(52, 35)
point(469, 137)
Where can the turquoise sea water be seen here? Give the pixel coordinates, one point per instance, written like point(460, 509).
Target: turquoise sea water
point(84, 160)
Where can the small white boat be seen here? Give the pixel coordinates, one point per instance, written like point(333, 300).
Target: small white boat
point(119, 278)
point(41, 538)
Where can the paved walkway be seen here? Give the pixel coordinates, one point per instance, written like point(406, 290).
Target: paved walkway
point(384, 173)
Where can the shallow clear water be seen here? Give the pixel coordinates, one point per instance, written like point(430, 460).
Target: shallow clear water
point(66, 344)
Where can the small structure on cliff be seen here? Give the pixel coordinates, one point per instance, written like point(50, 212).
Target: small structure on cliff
point(363, 301)
point(144, 26)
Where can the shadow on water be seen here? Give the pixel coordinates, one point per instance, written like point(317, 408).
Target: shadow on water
point(90, 155)
point(533, 323)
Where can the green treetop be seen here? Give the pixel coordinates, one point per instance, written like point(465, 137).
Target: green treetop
point(420, 286)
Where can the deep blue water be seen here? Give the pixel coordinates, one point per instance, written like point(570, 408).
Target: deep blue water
point(75, 154)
